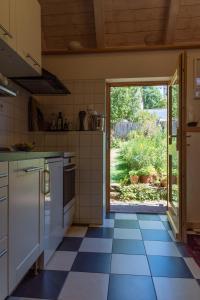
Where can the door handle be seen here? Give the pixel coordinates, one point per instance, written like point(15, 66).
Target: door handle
point(69, 170)
point(3, 253)
point(33, 60)
point(46, 190)
point(2, 175)
point(2, 199)
point(33, 169)
point(6, 32)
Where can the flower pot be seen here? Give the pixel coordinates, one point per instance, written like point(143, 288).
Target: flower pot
point(163, 182)
point(134, 179)
point(145, 179)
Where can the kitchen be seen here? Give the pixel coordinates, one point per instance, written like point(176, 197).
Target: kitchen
point(53, 143)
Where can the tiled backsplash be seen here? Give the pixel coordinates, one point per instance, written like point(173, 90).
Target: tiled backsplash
point(14, 119)
point(84, 94)
point(88, 147)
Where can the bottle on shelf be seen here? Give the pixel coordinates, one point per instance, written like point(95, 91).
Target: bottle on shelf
point(66, 125)
point(60, 121)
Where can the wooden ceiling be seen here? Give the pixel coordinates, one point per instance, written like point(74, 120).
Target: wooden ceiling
point(103, 25)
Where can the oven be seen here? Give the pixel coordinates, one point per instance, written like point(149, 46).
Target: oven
point(69, 190)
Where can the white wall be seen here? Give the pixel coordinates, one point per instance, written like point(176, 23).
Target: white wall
point(14, 119)
point(113, 65)
point(193, 105)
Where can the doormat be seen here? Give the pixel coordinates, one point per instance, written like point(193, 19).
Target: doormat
point(194, 246)
point(159, 209)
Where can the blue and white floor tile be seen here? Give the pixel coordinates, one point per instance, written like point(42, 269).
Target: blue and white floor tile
point(129, 257)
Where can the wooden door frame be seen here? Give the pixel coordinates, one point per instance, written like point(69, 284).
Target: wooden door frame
point(182, 234)
point(108, 128)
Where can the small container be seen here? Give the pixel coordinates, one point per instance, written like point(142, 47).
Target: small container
point(100, 121)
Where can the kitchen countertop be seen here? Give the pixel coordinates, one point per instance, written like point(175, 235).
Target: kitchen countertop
point(21, 155)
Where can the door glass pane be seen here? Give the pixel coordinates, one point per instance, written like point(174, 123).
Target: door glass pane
point(174, 125)
point(175, 153)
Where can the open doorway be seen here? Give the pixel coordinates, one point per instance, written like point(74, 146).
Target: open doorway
point(138, 147)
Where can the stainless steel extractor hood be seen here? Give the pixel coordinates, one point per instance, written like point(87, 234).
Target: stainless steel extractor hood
point(5, 89)
point(46, 84)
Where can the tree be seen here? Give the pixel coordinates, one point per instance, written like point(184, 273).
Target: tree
point(126, 102)
point(153, 98)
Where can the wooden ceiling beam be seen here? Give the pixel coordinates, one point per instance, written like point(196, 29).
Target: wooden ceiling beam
point(99, 16)
point(177, 46)
point(174, 7)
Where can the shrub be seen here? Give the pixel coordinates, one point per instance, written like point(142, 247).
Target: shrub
point(115, 142)
point(145, 152)
point(142, 192)
point(146, 171)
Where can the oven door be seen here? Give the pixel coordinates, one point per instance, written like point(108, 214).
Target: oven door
point(69, 184)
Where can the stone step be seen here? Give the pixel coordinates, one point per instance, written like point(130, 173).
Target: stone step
point(115, 195)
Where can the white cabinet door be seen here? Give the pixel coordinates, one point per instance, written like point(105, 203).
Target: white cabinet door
point(193, 183)
point(3, 276)
point(28, 20)
point(26, 218)
point(54, 229)
point(7, 22)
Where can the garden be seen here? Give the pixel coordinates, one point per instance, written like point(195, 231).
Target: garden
point(139, 150)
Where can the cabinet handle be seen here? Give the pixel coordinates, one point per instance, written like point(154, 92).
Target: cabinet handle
point(2, 175)
point(33, 169)
point(6, 32)
point(46, 182)
point(33, 60)
point(3, 253)
point(69, 170)
point(2, 199)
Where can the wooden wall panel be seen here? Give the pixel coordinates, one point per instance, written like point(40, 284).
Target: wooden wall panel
point(64, 21)
point(135, 15)
point(141, 26)
point(126, 23)
point(129, 39)
point(134, 4)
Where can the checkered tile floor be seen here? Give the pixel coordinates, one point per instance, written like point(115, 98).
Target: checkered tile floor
point(131, 257)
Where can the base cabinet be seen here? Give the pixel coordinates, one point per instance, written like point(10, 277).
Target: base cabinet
point(3, 275)
point(193, 166)
point(26, 217)
point(3, 230)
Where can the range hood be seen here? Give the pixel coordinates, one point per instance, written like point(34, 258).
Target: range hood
point(5, 89)
point(46, 84)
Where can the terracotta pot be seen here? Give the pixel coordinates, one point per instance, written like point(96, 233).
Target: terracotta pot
point(145, 179)
point(163, 182)
point(134, 179)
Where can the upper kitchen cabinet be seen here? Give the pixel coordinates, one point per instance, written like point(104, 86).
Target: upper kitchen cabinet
point(28, 18)
point(20, 38)
point(7, 22)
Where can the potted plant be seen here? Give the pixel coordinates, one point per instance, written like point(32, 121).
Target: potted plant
point(134, 178)
point(146, 174)
point(163, 181)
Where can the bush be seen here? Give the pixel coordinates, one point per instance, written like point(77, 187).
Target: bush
point(142, 192)
point(145, 152)
point(115, 142)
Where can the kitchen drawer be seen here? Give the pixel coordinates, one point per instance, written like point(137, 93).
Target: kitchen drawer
point(3, 276)
point(3, 212)
point(3, 244)
point(24, 167)
point(3, 174)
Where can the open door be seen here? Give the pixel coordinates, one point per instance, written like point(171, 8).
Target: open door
point(176, 152)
